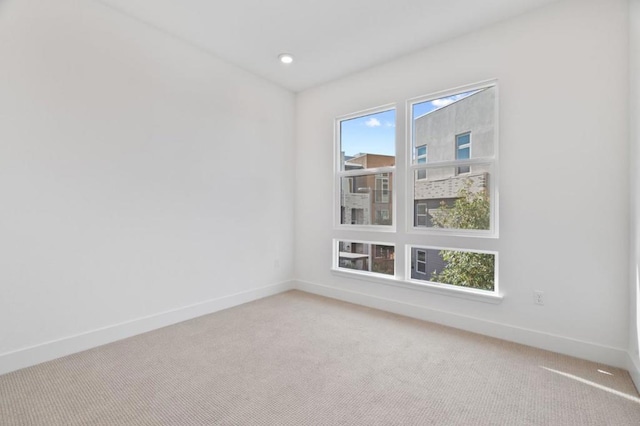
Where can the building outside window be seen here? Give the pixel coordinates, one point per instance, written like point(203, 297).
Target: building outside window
point(463, 151)
point(421, 158)
point(382, 188)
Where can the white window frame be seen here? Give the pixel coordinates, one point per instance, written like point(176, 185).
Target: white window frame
point(339, 174)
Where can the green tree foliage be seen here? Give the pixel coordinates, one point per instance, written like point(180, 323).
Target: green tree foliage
point(467, 269)
point(470, 211)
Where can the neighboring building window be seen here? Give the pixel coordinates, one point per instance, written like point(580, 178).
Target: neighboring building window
point(421, 262)
point(383, 252)
point(421, 158)
point(421, 214)
point(463, 150)
point(428, 211)
point(382, 188)
point(382, 216)
point(357, 217)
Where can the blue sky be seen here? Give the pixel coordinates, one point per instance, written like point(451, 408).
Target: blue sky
point(375, 133)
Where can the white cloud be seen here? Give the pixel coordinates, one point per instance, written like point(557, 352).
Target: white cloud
point(439, 103)
point(373, 122)
point(389, 124)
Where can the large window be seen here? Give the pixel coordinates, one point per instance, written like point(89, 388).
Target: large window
point(449, 199)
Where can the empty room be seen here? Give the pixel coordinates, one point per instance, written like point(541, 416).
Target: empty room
point(319, 212)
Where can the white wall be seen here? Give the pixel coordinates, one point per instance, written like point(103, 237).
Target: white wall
point(634, 299)
point(138, 175)
point(564, 210)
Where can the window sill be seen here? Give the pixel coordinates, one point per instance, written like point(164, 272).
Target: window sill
point(446, 290)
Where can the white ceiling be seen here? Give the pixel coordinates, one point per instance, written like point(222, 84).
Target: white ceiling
point(328, 38)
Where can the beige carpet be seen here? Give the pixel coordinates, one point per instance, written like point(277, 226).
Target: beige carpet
point(299, 359)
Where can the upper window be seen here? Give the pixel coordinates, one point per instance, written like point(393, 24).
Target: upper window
point(452, 186)
point(366, 165)
point(463, 150)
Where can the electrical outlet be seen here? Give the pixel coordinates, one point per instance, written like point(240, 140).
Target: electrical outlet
point(538, 297)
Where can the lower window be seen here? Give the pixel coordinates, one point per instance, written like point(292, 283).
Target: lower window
point(462, 268)
point(366, 257)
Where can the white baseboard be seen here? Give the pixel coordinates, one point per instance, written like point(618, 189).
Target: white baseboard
point(48, 351)
point(633, 366)
point(559, 344)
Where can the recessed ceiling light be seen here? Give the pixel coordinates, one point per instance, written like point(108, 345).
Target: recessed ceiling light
point(285, 58)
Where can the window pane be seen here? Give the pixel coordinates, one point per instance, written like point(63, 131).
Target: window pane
point(421, 159)
point(446, 199)
point(358, 256)
point(384, 262)
point(443, 125)
point(366, 199)
point(463, 153)
point(351, 256)
point(463, 139)
point(369, 141)
point(460, 268)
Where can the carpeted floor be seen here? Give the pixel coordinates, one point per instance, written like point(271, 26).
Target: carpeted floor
point(299, 359)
